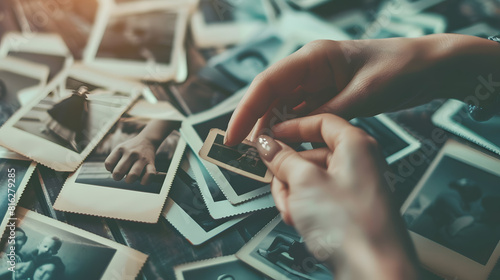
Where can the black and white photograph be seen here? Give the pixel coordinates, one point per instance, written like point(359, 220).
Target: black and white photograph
point(20, 82)
point(69, 122)
point(49, 250)
point(243, 159)
point(187, 212)
point(221, 268)
point(279, 252)
point(454, 117)
point(217, 204)
point(394, 141)
point(15, 172)
point(227, 22)
point(454, 210)
point(235, 187)
point(139, 40)
point(45, 49)
point(137, 160)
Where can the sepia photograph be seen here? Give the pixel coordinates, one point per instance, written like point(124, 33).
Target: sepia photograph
point(51, 250)
point(279, 252)
point(243, 159)
point(221, 268)
point(187, 212)
point(137, 161)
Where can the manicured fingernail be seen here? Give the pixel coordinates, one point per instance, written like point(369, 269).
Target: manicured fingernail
point(267, 147)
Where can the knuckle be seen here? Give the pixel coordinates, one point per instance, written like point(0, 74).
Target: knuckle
point(318, 45)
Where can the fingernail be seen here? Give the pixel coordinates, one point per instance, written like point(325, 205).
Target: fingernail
point(225, 139)
point(267, 147)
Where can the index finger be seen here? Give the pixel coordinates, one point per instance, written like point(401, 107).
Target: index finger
point(307, 68)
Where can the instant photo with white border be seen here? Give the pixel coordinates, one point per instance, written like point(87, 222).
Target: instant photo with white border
point(439, 257)
point(410, 142)
point(21, 135)
point(122, 262)
point(444, 118)
point(196, 143)
point(282, 265)
point(144, 68)
point(217, 204)
point(14, 180)
point(183, 204)
point(136, 203)
point(228, 267)
point(44, 45)
point(21, 68)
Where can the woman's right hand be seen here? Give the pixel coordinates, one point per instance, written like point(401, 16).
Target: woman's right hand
point(363, 78)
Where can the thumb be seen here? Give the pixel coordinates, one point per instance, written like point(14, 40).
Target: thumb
point(287, 165)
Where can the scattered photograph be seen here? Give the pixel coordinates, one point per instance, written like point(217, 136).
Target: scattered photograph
point(62, 126)
point(47, 249)
point(45, 49)
point(279, 252)
point(20, 82)
point(15, 172)
point(242, 159)
point(394, 141)
point(137, 161)
point(138, 40)
point(217, 204)
point(454, 117)
point(222, 268)
point(187, 212)
point(457, 207)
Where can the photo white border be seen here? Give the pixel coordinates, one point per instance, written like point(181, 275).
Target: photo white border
point(436, 257)
point(129, 68)
point(180, 269)
point(443, 118)
point(51, 154)
point(126, 262)
point(224, 208)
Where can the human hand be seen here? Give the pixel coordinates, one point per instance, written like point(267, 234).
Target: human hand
point(363, 78)
point(337, 198)
point(133, 158)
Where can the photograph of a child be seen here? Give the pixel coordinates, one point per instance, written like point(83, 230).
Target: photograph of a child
point(15, 89)
point(457, 207)
point(145, 37)
point(44, 252)
point(135, 155)
point(282, 251)
point(73, 118)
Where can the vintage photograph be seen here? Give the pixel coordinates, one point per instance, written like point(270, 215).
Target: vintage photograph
point(394, 141)
point(454, 117)
point(222, 268)
point(217, 204)
point(236, 188)
point(50, 250)
point(187, 212)
point(20, 82)
point(14, 176)
point(242, 159)
point(137, 161)
point(279, 252)
point(457, 207)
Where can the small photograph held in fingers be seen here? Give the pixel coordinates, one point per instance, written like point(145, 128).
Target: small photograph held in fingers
point(242, 159)
point(135, 161)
